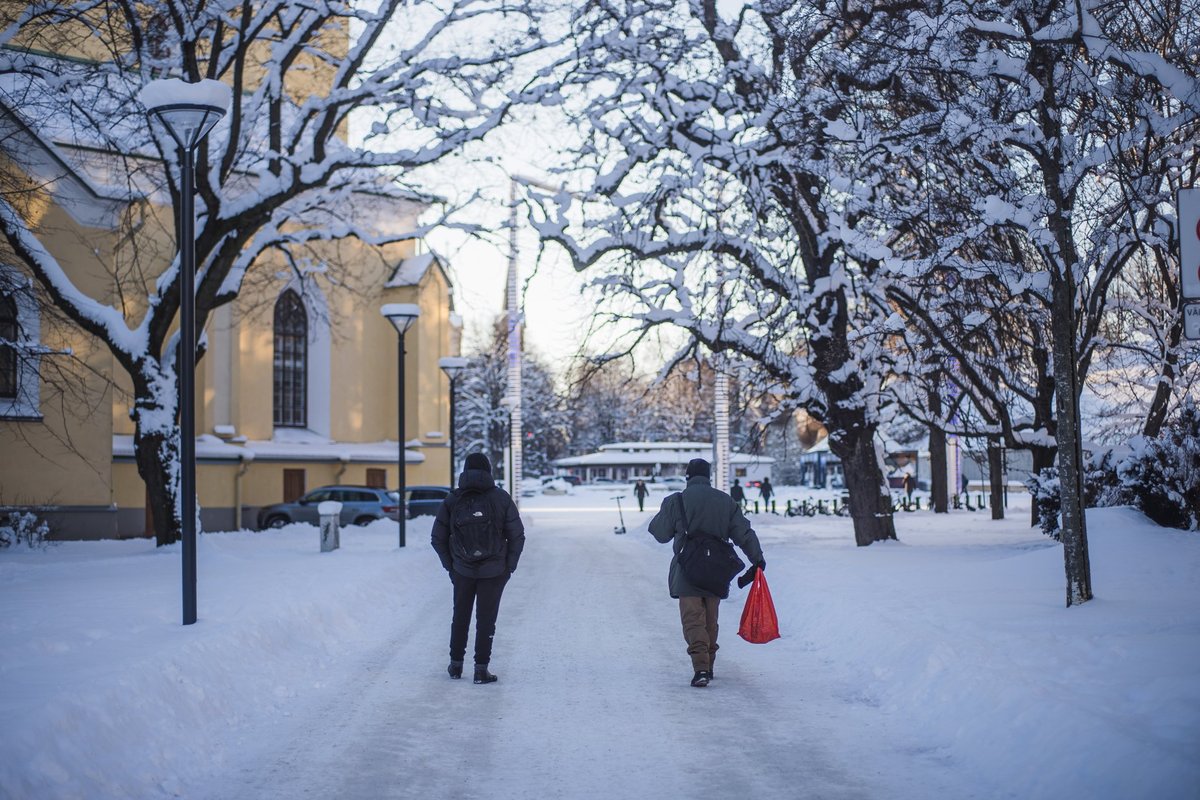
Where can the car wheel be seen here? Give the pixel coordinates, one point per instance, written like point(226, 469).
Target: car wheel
point(276, 521)
point(364, 520)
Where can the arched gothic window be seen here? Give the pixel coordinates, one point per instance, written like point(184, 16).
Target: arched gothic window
point(8, 355)
point(291, 361)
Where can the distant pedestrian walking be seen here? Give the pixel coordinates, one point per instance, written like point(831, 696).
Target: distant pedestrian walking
point(640, 490)
point(910, 483)
point(479, 537)
point(738, 494)
point(765, 490)
point(705, 512)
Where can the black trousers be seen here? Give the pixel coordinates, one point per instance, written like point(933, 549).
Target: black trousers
point(483, 594)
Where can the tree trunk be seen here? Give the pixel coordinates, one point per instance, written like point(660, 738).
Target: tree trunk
point(156, 449)
point(939, 491)
point(939, 488)
point(996, 476)
point(1070, 452)
point(870, 503)
point(1157, 413)
point(158, 465)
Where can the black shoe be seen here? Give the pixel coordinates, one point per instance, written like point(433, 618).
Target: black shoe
point(483, 676)
point(455, 669)
point(701, 679)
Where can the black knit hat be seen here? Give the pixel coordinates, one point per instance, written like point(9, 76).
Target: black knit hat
point(698, 467)
point(478, 461)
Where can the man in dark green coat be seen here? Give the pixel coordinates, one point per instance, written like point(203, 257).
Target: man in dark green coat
point(711, 512)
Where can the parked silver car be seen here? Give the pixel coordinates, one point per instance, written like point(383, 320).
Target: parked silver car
point(360, 505)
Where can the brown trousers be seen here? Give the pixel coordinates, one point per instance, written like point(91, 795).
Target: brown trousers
point(699, 617)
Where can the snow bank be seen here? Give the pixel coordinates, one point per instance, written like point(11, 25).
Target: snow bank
point(105, 690)
point(960, 632)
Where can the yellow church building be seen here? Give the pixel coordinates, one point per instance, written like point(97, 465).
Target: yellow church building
point(297, 386)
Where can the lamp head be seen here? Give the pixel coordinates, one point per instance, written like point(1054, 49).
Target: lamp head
point(452, 366)
point(187, 110)
point(401, 315)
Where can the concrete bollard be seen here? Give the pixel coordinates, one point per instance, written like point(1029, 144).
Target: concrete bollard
point(331, 514)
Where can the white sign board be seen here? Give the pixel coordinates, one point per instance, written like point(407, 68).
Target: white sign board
point(1191, 320)
point(1189, 242)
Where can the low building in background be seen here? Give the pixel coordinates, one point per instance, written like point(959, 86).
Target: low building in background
point(628, 461)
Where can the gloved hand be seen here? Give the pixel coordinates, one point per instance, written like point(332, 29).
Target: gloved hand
point(747, 577)
point(762, 564)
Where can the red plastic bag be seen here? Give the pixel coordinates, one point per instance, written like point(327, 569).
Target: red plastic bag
point(759, 624)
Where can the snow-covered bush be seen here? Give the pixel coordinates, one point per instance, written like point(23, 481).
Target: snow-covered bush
point(1162, 477)
point(23, 526)
point(1046, 491)
point(1101, 484)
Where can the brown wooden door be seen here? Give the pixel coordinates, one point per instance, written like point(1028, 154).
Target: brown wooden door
point(376, 478)
point(293, 484)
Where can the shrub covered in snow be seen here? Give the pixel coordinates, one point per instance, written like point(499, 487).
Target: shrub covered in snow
point(1163, 475)
point(23, 526)
point(1046, 492)
point(1161, 478)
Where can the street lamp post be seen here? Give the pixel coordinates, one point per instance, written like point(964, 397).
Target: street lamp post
point(402, 316)
point(453, 367)
point(188, 111)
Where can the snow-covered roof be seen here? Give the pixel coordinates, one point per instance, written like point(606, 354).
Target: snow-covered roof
point(55, 146)
point(210, 448)
point(649, 453)
point(631, 446)
point(330, 451)
point(410, 271)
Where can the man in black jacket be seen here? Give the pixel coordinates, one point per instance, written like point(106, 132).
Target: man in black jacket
point(478, 536)
point(707, 512)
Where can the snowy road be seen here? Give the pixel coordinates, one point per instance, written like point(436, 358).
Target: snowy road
point(941, 665)
point(593, 699)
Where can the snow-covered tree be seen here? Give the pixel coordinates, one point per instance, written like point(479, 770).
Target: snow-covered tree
point(723, 186)
point(1067, 120)
point(285, 170)
point(481, 419)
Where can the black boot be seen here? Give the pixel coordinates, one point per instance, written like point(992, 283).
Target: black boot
point(455, 669)
point(701, 679)
point(483, 676)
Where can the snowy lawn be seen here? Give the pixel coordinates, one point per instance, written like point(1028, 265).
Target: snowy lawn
point(942, 665)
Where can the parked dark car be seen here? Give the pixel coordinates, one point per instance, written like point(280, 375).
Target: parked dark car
point(574, 480)
point(360, 505)
point(422, 500)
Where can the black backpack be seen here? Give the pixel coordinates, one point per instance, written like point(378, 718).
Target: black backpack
point(708, 563)
point(475, 534)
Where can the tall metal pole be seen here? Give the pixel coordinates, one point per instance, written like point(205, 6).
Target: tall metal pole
point(721, 391)
point(400, 435)
point(514, 351)
point(452, 382)
point(187, 380)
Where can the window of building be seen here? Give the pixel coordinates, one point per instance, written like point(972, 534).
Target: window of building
point(20, 357)
point(291, 362)
point(8, 353)
point(376, 478)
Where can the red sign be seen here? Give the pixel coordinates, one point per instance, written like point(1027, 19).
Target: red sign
point(1189, 242)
